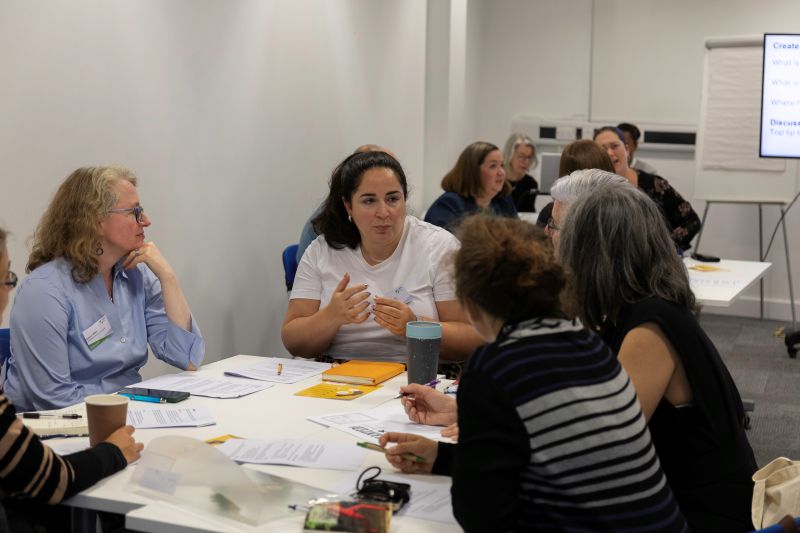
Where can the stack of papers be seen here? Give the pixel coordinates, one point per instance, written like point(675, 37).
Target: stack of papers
point(169, 417)
point(294, 452)
point(371, 424)
point(291, 370)
point(200, 386)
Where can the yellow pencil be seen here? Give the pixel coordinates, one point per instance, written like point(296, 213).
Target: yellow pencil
point(280, 368)
point(406, 456)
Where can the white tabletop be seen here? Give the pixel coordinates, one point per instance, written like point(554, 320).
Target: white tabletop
point(723, 285)
point(268, 414)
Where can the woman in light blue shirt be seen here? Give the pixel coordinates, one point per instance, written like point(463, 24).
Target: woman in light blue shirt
point(96, 296)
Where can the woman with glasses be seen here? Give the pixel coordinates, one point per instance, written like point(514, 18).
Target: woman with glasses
point(476, 183)
point(373, 269)
point(96, 295)
point(32, 471)
point(682, 221)
point(519, 155)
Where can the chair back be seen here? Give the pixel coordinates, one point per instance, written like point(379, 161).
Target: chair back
point(290, 265)
point(5, 352)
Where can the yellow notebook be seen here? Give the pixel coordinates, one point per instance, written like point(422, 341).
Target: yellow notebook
point(363, 372)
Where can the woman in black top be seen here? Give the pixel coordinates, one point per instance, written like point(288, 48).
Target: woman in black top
point(683, 222)
point(519, 156)
point(635, 291)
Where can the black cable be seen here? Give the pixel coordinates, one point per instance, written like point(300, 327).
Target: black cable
point(778, 225)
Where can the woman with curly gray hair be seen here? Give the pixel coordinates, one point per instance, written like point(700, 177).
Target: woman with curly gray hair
point(629, 284)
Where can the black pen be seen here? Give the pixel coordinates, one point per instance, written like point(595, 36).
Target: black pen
point(50, 415)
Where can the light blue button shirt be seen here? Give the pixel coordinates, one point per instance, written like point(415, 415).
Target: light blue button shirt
point(51, 363)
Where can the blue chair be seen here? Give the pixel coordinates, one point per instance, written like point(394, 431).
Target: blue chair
point(780, 528)
point(290, 265)
point(5, 352)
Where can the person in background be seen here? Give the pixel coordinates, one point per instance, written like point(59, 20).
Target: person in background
point(373, 269)
point(682, 221)
point(309, 233)
point(519, 155)
point(635, 292)
point(476, 183)
point(31, 474)
point(577, 155)
point(551, 435)
point(632, 136)
point(96, 296)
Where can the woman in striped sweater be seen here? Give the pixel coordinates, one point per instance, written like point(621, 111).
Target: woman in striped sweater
point(551, 433)
point(30, 472)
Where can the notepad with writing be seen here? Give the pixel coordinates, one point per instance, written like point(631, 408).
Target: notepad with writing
point(57, 427)
point(363, 372)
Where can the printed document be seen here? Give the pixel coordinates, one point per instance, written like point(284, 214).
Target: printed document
point(169, 417)
point(294, 452)
point(280, 370)
point(200, 386)
point(371, 424)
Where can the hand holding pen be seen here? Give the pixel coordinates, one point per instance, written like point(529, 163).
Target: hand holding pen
point(425, 405)
point(423, 451)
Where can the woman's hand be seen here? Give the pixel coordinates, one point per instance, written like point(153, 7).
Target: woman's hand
point(123, 439)
point(348, 305)
point(408, 446)
point(393, 314)
point(150, 255)
point(425, 405)
point(451, 432)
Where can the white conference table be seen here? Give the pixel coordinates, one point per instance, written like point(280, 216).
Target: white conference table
point(720, 288)
point(272, 413)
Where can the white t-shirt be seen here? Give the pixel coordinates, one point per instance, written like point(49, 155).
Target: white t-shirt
point(421, 264)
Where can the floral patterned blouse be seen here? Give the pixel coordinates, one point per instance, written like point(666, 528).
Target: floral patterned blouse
point(682, 220)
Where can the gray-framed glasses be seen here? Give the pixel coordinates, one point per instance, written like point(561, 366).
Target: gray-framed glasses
point(137, 212)
point(11, 280)
point(551, 225)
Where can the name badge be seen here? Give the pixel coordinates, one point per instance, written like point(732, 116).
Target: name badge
point(97, 332)
point(401, 294)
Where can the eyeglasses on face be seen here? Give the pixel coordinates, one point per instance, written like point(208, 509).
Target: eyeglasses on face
point(137, 212)
point(11, 280)
point(551, 225)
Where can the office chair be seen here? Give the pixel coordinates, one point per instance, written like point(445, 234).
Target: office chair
point(290, 265)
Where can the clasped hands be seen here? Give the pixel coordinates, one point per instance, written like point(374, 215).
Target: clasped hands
point(350, 305)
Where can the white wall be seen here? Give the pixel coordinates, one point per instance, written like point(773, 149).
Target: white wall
point(232, 113)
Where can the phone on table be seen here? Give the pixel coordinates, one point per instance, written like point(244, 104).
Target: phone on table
point(153, 395)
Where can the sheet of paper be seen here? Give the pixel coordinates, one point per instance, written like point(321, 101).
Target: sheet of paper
point(429, 501)
point(292, 370)
point(371, 424)
point(334, 391)
point(200, 386)
point(294, 452)
point(59, 427)
point(169, 417)
point(68, 446)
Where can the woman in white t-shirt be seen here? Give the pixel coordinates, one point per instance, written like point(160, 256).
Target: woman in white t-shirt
point(371, 270)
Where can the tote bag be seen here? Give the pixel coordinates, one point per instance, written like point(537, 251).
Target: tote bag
point(776, 492)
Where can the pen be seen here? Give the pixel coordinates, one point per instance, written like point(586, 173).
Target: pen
point(407, 456)
point(432, 383)
point(151, 399)
point(280, 368)
point(50, 415)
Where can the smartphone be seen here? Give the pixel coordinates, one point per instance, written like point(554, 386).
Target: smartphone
point(705, 258)
point(153, 395)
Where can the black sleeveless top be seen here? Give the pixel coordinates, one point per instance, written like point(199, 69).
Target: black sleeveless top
point(703, 448)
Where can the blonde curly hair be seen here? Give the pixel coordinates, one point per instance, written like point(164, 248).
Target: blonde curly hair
point(70, 227)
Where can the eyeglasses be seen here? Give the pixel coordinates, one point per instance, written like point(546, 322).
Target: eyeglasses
point(524, 158)
point(11, 280)
point(137, 212)
point(551, 225)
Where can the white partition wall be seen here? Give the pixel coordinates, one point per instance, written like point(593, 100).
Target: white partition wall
point(232, 113)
